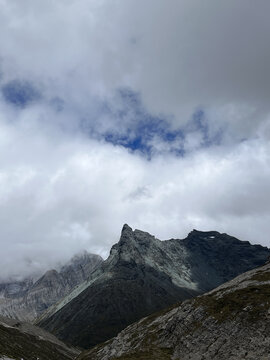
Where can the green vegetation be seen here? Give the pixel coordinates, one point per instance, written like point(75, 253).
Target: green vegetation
point(253, 301)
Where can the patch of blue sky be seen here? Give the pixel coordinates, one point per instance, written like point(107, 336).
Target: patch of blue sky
point(200, 124)
point(134, 143)
point(20, 93)
point(138, 127)
point(125, 121)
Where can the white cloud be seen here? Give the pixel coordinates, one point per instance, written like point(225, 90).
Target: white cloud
point(178, 55)
point(62, 191)
point(60, 197)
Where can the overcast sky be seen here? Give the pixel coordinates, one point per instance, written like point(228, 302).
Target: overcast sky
point(154, 113)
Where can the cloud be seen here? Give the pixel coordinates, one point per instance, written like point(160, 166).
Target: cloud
point(178, 55)
point(20, 93)
point(59, 197)
point(150, 113)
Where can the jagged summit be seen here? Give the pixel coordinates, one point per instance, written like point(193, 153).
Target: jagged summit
point(211, 235)
point(204, 234)
point(128, 234)
point(126, 229)
point(133, 244)
point(215, 239)
point(143, 275)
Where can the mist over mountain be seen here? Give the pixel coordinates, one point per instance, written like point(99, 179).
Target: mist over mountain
point(28, 299)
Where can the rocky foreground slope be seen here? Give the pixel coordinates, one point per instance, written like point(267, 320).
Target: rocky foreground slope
point(143, 275)
point(24, 341)
point(26, 300)
point(231, 322)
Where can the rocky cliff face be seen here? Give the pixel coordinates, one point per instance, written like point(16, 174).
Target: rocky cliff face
point(24, 341)
point(26, 300)
point(231, 322)
point(143, 275)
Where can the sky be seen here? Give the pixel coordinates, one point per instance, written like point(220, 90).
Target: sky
point(153, 113)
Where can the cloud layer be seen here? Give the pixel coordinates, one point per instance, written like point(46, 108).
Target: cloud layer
point(148, 113)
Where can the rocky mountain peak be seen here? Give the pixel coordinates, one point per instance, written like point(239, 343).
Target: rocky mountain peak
point(79, 258)
point(199, 235)
point(126, 235)
point(214, 241)
point(81, 261)
point(51, 273)
point(136, 236)
point(143, 275)
point(135, 245)
point(27, 299)
point(126, 229)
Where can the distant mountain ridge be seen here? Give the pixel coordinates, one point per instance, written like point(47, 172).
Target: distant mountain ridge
point(26, 300)
point(143, 275)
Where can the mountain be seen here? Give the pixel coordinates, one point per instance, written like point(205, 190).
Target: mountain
point(143, 275)
point(15, 289)
point(26, 300)
point(20, 341)
point(231, 322)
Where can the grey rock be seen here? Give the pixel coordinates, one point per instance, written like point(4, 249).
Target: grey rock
point(16, 288)
point(231, 322)
point(27, 300)
point(143, 275)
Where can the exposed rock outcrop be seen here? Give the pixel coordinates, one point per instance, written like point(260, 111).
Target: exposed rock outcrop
point(231, 322)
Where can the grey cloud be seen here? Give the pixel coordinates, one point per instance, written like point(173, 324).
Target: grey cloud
point(186, 54)
point(58, 198)
point(61, 191)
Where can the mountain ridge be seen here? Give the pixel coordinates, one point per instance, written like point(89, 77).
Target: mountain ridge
point(26, 300)
point(230, 322)
point(142, 275)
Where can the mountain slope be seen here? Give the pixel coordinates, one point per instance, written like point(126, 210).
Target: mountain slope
point(231, 322)
point(143, 275)
point(26, 300)
point(24, 341)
